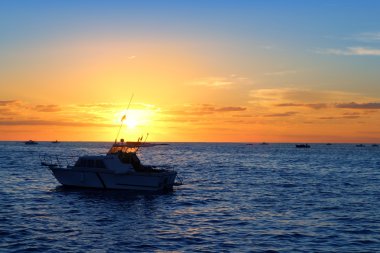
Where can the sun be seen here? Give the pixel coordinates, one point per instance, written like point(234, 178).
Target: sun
point(134, 122)
point(131, 122)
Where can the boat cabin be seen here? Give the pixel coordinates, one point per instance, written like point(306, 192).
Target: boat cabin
point(90, 162)
point(122, 147)
point(120, 157)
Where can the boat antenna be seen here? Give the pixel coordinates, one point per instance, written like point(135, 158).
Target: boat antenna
point(123, 118)
point(142, 143)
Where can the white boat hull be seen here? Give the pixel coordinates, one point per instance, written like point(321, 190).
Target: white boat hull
point(158, 181)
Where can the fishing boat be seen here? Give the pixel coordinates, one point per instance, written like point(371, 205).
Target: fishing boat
point(31, 142)
point(302, 146)
point(120, 168)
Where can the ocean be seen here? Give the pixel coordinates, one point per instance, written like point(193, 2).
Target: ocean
point(235, 198)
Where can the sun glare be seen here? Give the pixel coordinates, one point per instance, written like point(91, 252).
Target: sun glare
point(136, 122)
point(131, 122)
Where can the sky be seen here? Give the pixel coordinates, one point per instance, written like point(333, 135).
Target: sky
point(198, 71)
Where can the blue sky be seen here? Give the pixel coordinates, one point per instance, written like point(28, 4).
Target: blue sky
point(291, 21)
point(320, 36)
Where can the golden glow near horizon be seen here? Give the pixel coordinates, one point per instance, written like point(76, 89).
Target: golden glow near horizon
point(210, 77)
point(266, 117)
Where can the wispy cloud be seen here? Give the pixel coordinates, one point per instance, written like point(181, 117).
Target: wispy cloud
point(230, 109)
point(348, 51)
point(303, 97)
point(354, 105)
point(268, 47)
point(285, 114)
point(16, 112)
point(47, 108)
point(213, 82)
point(98, 105)
point(221, 82)
point(340, 117)
point(351, 105)
point(204, 109)
point(313, 106)
point(368, 37)
point(8, 102)
point(281, 73)
point(51, 123)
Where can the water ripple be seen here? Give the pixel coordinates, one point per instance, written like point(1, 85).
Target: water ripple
point(236, 198)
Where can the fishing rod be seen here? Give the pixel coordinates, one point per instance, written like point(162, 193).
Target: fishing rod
point(123, 118)
point(142, 143)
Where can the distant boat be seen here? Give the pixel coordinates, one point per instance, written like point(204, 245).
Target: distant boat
point(302, 146)
point(144, 144)
point(328, 144)
point(263, 143)
point(375, 145)
point(30, 142)
point(56, 141)
point(360, 145)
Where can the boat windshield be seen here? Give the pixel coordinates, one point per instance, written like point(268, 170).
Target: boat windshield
point(122, 148)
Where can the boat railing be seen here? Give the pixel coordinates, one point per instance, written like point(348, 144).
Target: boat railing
point(51, 160)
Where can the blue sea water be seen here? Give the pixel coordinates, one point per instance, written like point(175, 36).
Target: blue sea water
point(236, 198)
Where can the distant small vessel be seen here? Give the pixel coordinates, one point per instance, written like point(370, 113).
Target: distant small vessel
point(302, 146)
point(264, 143)
point(144, 144)
point(360, 145)
point(375, 145)
point(56, 141)
point(328, 144)
point(31, 142)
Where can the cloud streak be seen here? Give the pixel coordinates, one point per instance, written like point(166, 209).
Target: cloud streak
point(230, 109)
point(46, 108)
point(221, 82)
point(313, 106)
point(354, 105)
point(281, 73)
point(8, 102)
point(351, 51)
point(205, 109)
point(368, 37)
point(340, 117)
point(51, 123)
point(302, 97)
point(285, 114)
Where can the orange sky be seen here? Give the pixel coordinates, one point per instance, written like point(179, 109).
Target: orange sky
point(273, 115)
point(217, 78)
